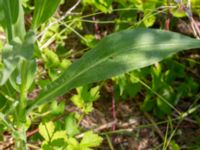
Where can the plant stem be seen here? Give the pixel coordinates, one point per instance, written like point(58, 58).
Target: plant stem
point(22, 106)
point(21, 139)
point(109, 142)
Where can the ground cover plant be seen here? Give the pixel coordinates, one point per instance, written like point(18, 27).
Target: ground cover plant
point(64, 61)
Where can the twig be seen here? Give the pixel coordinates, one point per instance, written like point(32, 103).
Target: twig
point(59, 19)
point(182, 117)
point(96, 27)
point(195, 27)
point(113, 109)
point(33, 146)
point(105, 126)
point(110, 124)
point(188, 10)
point(7, 144)
point(30, 133)
point(168, 20)
point(102, 127)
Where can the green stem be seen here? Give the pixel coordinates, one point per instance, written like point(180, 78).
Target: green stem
point(22, 106)
point(81, 118)
point(21, 142)
point(23, 93)
point(109, 142)
point(20, 139)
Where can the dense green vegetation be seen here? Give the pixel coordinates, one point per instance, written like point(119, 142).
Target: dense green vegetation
point(62, 61)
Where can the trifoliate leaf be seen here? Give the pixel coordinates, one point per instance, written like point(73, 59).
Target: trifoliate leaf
point(59, 135)
point(46, 130)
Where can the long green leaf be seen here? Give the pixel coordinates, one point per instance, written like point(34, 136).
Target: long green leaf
point(116, 54)
point(19, 25)
point(44, 9)
point(12, 18)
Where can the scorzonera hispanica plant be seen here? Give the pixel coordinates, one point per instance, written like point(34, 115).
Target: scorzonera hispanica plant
point(115, 54)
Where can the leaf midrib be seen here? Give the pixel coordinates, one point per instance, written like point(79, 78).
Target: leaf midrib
point(97, 63)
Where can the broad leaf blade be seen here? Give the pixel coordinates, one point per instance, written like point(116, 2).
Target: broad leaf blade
point(13, 52)
point(44, 9)
point(91, 140)
point(9, 63)
point(116, 54)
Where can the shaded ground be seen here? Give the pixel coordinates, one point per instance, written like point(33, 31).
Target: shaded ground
point(136, 130)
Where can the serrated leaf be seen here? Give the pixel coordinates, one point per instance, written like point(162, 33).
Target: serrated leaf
point(116, 54)
point(94, 93)
point(149, 21)
point(59, 144)
point(91, 140)
point(44, 9)
point(50, 58)
point(71, 125)
point(58, 108)
point(46, 146)
point(178, 12)
point(59, 135)
point(73, 144)
point(149, 103)
point(85, 97)
point(167, 92)
point(78, 101)
point(103, 5)
point(46, 130)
